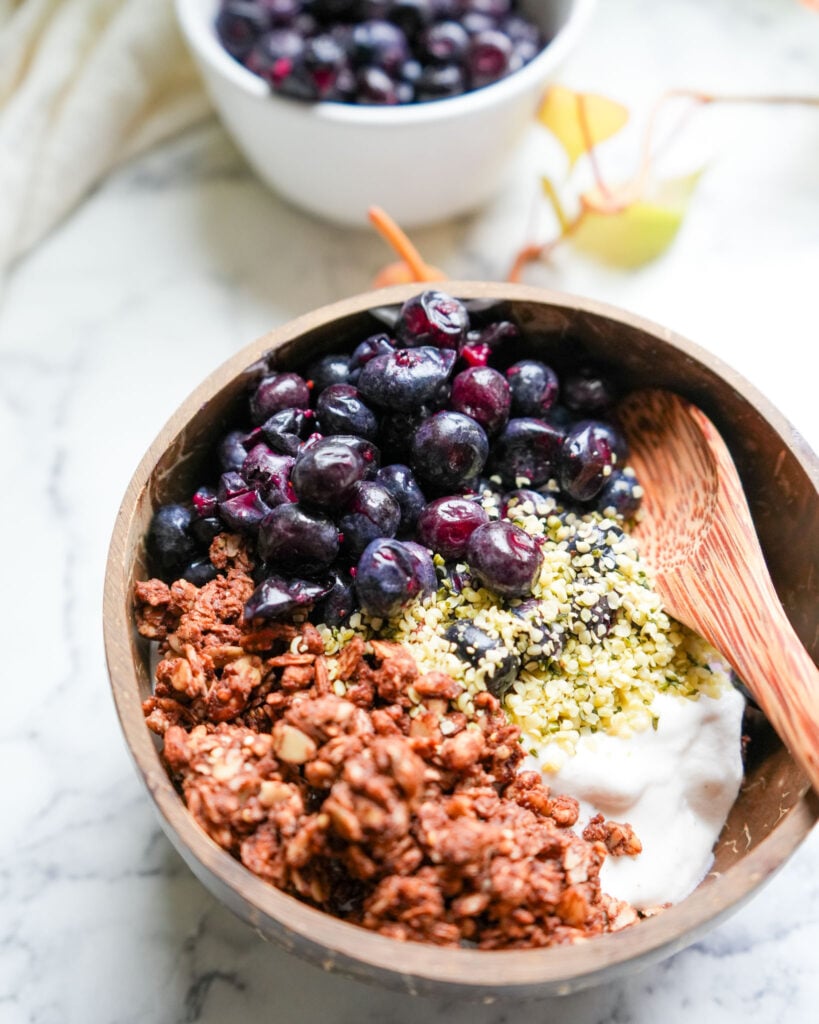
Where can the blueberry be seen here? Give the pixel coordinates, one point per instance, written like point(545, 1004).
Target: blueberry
point(406, 378)
point(375, 87)
point(205, 529)
point(243, 512)
point(527, 449)
point(238, 24)
point(592, 547)
point(446, 525)
point(479, 649)
point(534, 387)
point(199, 572)
point(294, 540)
point(386, 578)
point(553, 639)
point(483, 394)
point(280, 391)
point(204, 502)
point(398, 430)
point(505, 558)
point(332, 369)
point(340, 410)
point(432, 318)
point(587, 458)
point(275, 54)
point(379, 44)
point(366, 449)
point(376, 345)
point(445, 42)
point(622, 493)
point(424, 568)
point(321, 63)
point(587, 391)
point(231, 484)
point(326, 472)
point(169, 538)
point(339, 603)
point(594, 614)
point(285, 430)
point(448, 449)
point(278, 598)
point(372, 512)
point(270, 473)
point(489, 58)
point(541, 505)
point(231, 451)
point(439, 82)
point(398, 479)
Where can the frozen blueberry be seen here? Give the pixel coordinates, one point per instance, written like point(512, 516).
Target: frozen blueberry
point(169, 538)
point(505, 558)
point(527, 449)
point(446, 525)
point(325, 472)
point(278, 598)
point(449, 449)
point(279, 391)
point(398, 479)
point(386, 578)
point(340, 410)
point(478, 648)
point(372, 512)
point(405, 378)
point(294, 540)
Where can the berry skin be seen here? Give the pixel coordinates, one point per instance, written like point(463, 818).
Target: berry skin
point(326, 472)
point(473, 645)
point(402, 485)
point(278, 598)
point(587, 459)
point(534, 387)
point(372, 512)
point(406, 378)
point(386, 578)
point(527, 449)
point(340, 410)
point(332, 369)
point(281, 391)
point(432, 318)
point(448, 449)
point(505, 558)
point(446, 525)
point(483, 394)
point(294, 540)
point(169, 538)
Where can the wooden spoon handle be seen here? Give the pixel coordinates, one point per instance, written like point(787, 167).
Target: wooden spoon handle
point(732, 600)
point(754, 633)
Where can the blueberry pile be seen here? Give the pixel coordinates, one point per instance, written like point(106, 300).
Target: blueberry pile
point(377, 51)
point(346, 481)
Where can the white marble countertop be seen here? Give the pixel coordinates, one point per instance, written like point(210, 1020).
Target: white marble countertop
point(177, 261)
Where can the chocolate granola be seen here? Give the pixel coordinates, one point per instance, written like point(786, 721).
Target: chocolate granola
point(417, 825)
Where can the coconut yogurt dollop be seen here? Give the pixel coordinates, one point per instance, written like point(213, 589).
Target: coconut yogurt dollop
point(674, 785)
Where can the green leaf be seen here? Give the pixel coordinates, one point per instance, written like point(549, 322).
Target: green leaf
point(638, 232)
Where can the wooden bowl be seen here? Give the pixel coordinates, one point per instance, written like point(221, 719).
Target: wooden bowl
point(775, 809)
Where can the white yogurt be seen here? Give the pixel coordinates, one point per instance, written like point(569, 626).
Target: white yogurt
point(674, 785)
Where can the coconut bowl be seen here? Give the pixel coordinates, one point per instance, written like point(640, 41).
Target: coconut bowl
point(775, 808)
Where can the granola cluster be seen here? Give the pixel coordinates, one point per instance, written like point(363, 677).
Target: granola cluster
point(418, 826)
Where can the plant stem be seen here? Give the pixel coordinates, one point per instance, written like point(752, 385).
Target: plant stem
point(394, 236)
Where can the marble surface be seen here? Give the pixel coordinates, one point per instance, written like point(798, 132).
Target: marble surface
point(170, 267)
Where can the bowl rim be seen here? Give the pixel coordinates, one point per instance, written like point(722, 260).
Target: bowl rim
point(336, 944)
point(195, 20)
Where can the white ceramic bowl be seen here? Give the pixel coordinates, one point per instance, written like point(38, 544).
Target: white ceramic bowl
point(422, 162)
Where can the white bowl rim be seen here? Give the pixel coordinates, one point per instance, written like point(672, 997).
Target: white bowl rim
point(195, 20)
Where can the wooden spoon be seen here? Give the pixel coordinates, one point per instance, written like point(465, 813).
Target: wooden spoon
point(698, 536)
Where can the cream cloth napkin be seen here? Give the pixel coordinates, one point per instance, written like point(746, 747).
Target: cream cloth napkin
point(84, 85)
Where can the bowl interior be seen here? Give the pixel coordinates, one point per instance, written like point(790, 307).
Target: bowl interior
point(772, 813)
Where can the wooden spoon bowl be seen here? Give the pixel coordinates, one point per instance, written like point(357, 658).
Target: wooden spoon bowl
point(773, 812)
